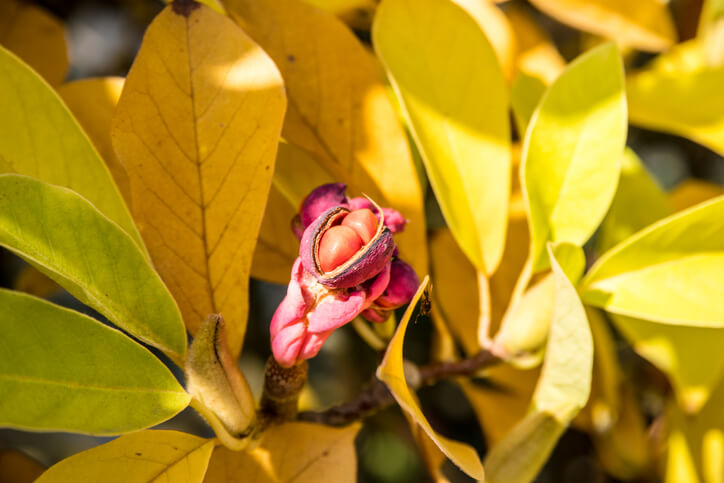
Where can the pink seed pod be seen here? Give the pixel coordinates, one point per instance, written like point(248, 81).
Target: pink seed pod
point(322, 199)
point(399, 291)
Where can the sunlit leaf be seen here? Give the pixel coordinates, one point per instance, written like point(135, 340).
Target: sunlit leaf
point(453, 93)
point(339, 110)
point(669, 272)
point(40, 138)
point(497, 29)
point(90, 379)
point(35, 36)
point(639, 201)
point(197, 129)
point(690, 356)
point(92, 102)
point(456, 289)
point(711, 30)
point(15, 467)
point(504, 401)
point(392, 374)
point(295, 176)
point(156, 456)
point(680, 93)
point(298, 452)
point(571, 156)
point(643, 24)
point(66, 238)
point(562, 390)
point(691, 192)
point(357, 14)
point(696, 442)
point(537, 63)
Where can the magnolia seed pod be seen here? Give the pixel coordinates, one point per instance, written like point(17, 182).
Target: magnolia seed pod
point(364, 264)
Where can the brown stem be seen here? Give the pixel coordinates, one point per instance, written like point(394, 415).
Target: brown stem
point(282, 387)
point(375, 396)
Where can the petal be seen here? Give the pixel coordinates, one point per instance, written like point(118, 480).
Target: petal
point(294, 306)
point(378, 285)
point(335, 309)
point(376, 314)
point(287, 344)
point(312, 343)
point(402, 287)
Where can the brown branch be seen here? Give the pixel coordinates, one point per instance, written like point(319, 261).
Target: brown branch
point(375, 396)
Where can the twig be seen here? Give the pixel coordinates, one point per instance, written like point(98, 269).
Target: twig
point(375, 396)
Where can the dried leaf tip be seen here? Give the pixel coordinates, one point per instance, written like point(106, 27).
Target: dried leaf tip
point(184, 7)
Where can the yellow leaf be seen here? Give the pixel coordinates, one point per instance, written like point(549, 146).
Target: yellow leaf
point(456, 289)
point(504, 401)
point(562, 390)
point(151, 455)
point(35, 36)
point(295, 176)
point(391, 373)
point(15, 467)
point(277, 247)
point(357, 14)
point(299, 452)
point(92, 102)
point(690, 356)
point(339, 110)
point(639, 201)
point(668, 273)
point(497, 29)
point(572, 150)
point(691, 192)
point(454, 96)
point(696, 442)
point(197, 128)
point(536, 54)
point(680, 92)
point(643, 24)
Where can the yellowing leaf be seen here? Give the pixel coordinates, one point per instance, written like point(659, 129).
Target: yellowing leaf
point(669, 272)
point(497, 29)
point(391, 373)
point(690, 356)
point(153, 456)
point(691, 192)
point(680, 93)
point(298, 452)
point(339, 110)
point(40, 138)
point(639, 201)
point(91, 379)
point(35, 36)
point(15, 467)
point(66, 238)
point(562, 390)
point(197, 129)
point(571, 156)
point(295, 176)
point(643, 24)
point(92, 102)
point(696, 442)
point(456, 289)
point(505, 402)
point(453, 94)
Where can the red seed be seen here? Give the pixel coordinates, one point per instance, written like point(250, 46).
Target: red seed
point(363, 222)
point(337, 245)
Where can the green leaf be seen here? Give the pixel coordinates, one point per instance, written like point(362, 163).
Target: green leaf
point(639, 201)
point(669, 272)
point(148, 456)
point(562, 390)
point(66, 238)
point(40, 138)
point(453, 94)
point(63, 371)
point(690, 356)
point(572, 150)
point(391, 372)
